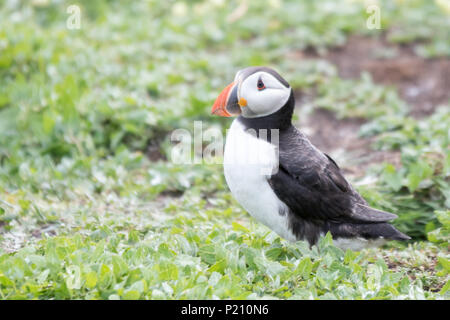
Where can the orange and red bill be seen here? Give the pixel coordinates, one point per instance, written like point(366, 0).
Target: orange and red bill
point(226, 104)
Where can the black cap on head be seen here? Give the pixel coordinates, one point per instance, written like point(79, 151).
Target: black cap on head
point(244, 73)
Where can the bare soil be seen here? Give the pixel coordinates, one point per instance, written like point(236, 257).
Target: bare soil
point(423, 83)
point(154, 151)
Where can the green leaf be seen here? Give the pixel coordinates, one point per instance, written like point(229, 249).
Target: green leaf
point(444, 265)
point(90, 279)
point(167, 271)
point(219, 266)
point(274, 253)
point(271, 268)
point(393, 177)
point(238, 227)
point(131, 295)
point(417, 173)
point(208, 254)
point(304, 268)
point(445, 288)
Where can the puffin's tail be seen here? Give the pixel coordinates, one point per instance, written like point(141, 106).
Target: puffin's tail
point(367, 231)
point(368, 223)
point(385, 230)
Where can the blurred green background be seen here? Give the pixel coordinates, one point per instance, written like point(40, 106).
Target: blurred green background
point(92, 207)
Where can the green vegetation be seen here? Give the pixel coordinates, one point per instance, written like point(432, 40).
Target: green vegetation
point(85, 213)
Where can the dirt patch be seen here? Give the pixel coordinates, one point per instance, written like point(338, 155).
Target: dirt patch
point(171, 193)
point(423, 83)
point(48, 230)
point(330, 133)
point(154, 149)
point(154, 153)
point(3, 225)
point(433, 284)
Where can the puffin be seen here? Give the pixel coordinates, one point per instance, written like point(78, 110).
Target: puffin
point(281, 179)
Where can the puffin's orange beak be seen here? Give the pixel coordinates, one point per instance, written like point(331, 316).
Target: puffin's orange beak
point(226, 102)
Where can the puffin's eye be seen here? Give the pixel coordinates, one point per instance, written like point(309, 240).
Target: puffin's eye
point(260, 85)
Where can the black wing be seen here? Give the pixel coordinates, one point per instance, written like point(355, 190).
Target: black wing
point(311, 184)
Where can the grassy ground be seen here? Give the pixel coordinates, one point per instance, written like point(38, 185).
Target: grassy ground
point(91, 207)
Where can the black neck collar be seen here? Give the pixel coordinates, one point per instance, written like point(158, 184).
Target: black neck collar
point(282, 119)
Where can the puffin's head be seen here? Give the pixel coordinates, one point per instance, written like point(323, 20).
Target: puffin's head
point(255, 92)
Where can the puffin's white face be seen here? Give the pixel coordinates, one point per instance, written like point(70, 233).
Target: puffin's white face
point(261, 94)
point(255, 92)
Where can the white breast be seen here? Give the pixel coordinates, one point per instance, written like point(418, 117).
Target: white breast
point(248, 163)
